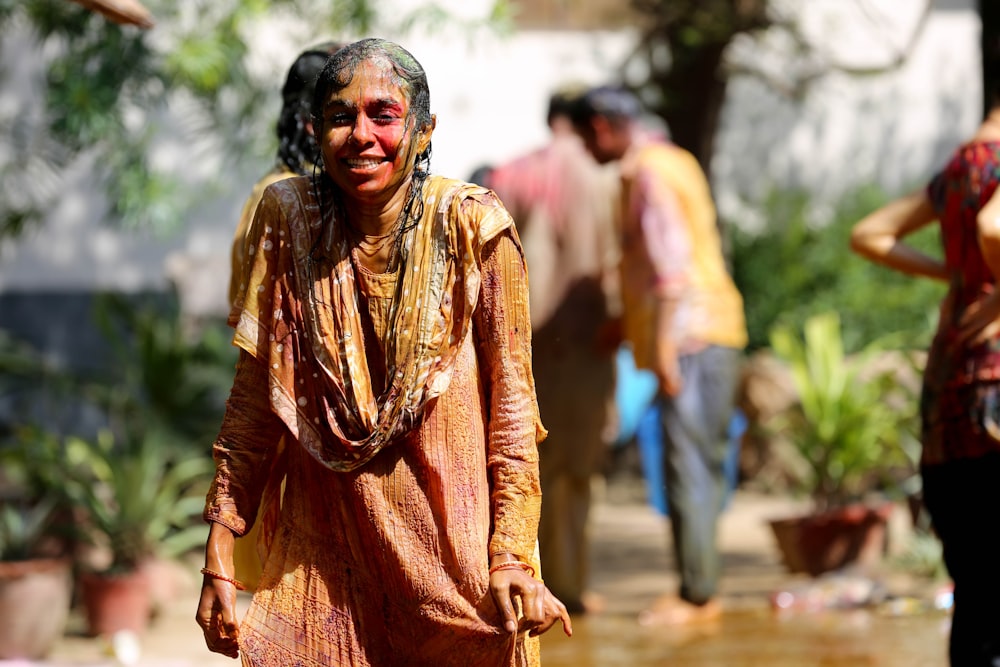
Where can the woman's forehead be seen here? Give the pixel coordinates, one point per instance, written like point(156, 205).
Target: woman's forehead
point(374, 76)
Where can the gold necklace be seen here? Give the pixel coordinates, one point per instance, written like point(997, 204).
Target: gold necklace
point(370, 245)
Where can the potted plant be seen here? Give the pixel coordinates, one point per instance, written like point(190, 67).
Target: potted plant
point(137, 500)
point(35, 567)
point(850, 426)
point(139, 484)
point(35, 580)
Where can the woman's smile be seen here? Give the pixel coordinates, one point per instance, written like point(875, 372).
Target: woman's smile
point(363, 164)
point(367, 139)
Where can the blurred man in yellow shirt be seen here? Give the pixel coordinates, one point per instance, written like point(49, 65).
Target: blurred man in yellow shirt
point(683, 318)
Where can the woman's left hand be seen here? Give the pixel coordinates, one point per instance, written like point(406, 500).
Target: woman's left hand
point(540, 609)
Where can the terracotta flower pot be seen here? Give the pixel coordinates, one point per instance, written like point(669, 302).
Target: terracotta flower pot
point(828, 541)
point(114, 602)
point(34, 605)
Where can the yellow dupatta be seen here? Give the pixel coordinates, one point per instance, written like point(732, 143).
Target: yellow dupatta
point(299, 313)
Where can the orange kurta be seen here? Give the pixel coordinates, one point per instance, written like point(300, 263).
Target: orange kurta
point(386, 563)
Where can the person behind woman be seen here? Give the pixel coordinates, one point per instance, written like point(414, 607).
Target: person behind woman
point(297, 154)
point(960, 419)
point(297, 149)
point(384, 332)
point(562, 203)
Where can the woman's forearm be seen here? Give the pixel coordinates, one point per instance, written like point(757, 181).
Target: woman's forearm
point(879, 236)
point(503, 336)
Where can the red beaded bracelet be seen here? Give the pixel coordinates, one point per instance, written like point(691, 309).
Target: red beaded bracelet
point(221, 577)
point(513, 565)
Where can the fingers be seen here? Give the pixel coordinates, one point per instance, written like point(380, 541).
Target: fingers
point(509, 584)
point(533, 604)
point(980, 321)
point(216, 616)
point(976, 332)
point(540, 609)
point(500, 588)
point(554, 610)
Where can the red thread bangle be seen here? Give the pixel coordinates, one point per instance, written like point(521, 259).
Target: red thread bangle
point(221, 577)
point(513, 565)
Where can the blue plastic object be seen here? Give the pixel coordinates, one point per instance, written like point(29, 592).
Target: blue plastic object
point(639, 418)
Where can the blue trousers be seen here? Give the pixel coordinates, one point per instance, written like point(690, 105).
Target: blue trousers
point(695, 445)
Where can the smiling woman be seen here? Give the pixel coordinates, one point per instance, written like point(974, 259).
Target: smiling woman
point(384, 333)
point(375, 148)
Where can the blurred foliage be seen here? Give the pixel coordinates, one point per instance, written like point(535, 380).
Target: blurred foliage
point(24, 527)
point(136, 498)
point(106, 89)
point(854, 422)
point(136, 485)
point(797, 268)
point(922, 556)
point(161, 380)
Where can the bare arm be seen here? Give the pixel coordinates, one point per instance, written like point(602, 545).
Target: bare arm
point(503, 332)
point(879, 236)
point(988, 224)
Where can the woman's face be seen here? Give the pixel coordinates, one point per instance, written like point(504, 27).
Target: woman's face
point(368, 141)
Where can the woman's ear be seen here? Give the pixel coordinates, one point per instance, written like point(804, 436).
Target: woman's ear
point(424, 140)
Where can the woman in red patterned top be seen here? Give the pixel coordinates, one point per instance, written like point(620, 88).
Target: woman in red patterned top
point(960, 404)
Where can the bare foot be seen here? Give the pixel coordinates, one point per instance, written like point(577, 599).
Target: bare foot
point(592, 603)
point(671, 610)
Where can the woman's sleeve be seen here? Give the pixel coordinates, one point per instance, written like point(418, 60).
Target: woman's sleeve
point(503, 335)
point(244, 450)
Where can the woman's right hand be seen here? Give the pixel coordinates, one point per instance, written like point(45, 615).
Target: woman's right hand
point(217, 607)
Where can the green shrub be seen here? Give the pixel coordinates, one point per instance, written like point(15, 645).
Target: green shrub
point(796, 269)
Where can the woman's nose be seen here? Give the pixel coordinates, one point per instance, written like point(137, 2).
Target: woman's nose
point(362, 133)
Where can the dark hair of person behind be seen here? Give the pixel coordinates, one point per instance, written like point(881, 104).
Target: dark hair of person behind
point(615, 103)
point(297, 147)
point(561, 102)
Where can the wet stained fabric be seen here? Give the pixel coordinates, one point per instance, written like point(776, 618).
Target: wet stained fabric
point(239, 251)
point(247, 556)
point(379, 551)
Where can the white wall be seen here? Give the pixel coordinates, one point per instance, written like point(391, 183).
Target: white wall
point(894, 128)
point(489, 94)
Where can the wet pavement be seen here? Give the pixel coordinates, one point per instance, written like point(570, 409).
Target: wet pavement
point(631, 567)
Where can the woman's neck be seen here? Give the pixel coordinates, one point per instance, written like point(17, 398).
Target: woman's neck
point(990, 128)
point(377, 217)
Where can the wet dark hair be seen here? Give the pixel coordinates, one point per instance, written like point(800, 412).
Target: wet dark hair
point(410, 76)
point(297, 148)
point(615, 103)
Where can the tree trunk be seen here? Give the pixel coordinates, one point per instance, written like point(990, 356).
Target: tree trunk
point(697, 90)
